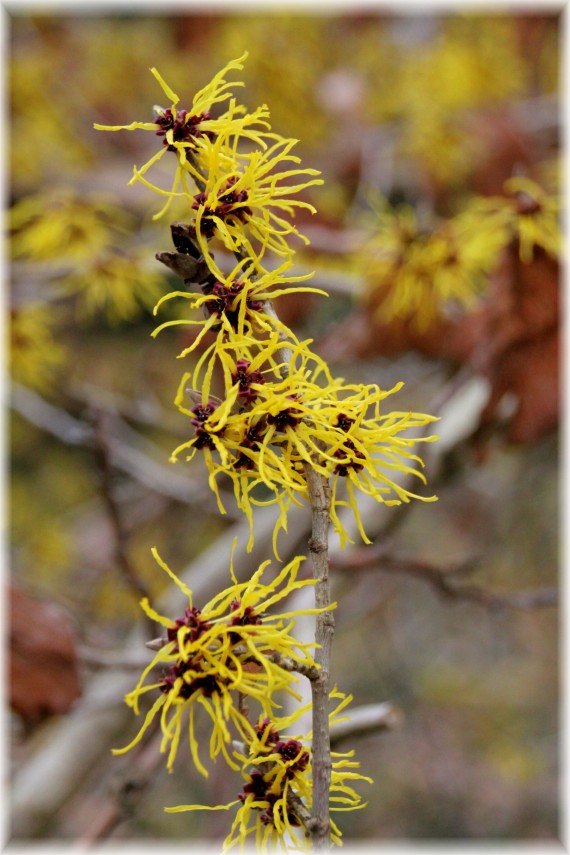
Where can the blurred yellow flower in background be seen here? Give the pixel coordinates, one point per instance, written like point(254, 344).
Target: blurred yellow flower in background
point(73, 240)
point(36, 357)
point(62, 225)
point(119, 285)
point(416, 273)
point(419, 268)
point(526, 212)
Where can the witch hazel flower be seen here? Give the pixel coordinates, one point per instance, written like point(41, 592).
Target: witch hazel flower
point(233, 644)
point(274, 805)
point(305, 417)
point(248, 198)
point(234, 188)
point(233, 305)
point(181, 129)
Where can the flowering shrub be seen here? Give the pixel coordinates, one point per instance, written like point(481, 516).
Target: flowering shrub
point(281, 422)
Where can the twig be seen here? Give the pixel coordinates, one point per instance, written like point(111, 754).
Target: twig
point(112, 658)
point(46, 416)
point(285, 662)
point(127, 790)
point(145, 411)
point(289, 664)
point(320, 500)
point(242, 704)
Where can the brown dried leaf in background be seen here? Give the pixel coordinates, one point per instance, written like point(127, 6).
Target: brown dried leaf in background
point(43, 664)
point(514, 341)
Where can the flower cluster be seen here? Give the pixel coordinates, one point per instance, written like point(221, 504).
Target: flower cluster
point(231, 645)
point(280, 409)
point(243, 196)
point(266, 431)
point(276, 797)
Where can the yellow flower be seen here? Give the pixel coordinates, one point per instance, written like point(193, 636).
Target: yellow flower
point(276, 799)
point(234, 306)
point(224, 648)
point(418, 273)
point(265, 432)
point(367, 450)
point(249, 431)
point(248, 195)
point(118, 284)
point(36, 357)
point(183, 129)
point(236, 188)
point(79, 235)
point(229, 442)
point(59, 225)
point(525, 212)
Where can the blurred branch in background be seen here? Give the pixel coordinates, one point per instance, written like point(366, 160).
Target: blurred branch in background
point(128, 450)
point(102, 428)
point(444, 579)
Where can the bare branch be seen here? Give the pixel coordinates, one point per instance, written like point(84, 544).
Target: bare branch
point(46, 416)
point(145, 411)
point(112, 658)
point(290, 664)
point(320, 500)
point(443, 579)
point(127, 789)
point(188, 268)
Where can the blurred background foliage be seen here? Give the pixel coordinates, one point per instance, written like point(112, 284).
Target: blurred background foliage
point(417, 122)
